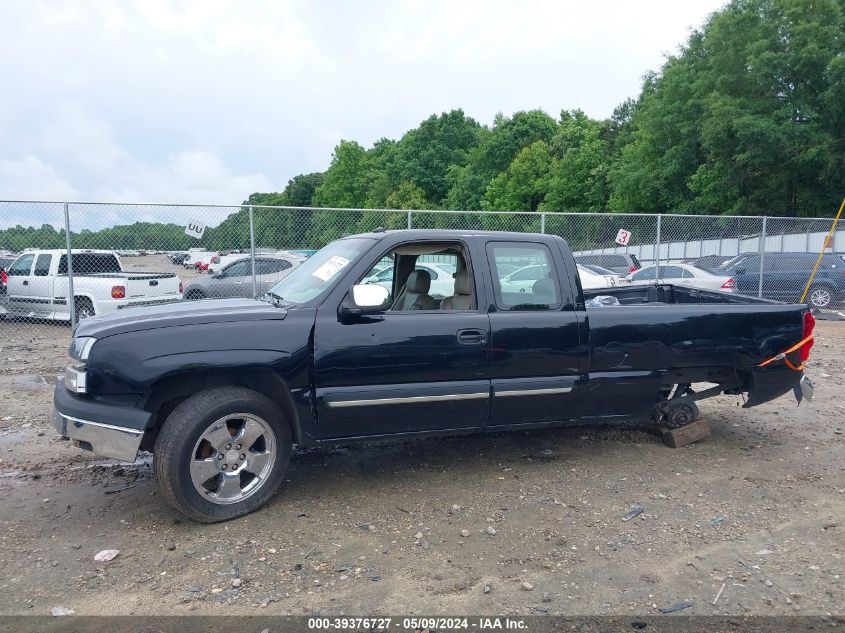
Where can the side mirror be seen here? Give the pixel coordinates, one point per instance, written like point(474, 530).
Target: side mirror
point(740, 271)
point(365, 299)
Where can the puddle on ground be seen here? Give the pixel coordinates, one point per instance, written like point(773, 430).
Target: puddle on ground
point(31, 382)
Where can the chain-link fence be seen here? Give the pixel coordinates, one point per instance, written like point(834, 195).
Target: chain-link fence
point(66, 261)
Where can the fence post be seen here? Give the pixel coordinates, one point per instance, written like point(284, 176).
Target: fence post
point(542, 222)
point(252, 250)
point(71, 303)
point(762, 258)
point(657, 251)
point(409, 218)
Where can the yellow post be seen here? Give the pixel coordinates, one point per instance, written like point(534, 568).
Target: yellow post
point(827, 242)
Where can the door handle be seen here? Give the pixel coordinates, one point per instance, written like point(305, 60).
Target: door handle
point(26, 282)
point(472, 337)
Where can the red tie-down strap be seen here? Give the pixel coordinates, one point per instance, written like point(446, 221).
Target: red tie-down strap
point(804, 345)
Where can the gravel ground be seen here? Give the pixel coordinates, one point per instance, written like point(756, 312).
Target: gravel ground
point(520, 523)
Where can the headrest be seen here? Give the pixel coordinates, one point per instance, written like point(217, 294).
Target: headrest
point(463, 285)
point(418, 281)
point(545, 288)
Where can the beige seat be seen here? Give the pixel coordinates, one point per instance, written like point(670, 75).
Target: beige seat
point(544, 291)
point(462, 299)
point(414, 295)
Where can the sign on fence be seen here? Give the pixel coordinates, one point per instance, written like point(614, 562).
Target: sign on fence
point(194, 229)
point(623, 237)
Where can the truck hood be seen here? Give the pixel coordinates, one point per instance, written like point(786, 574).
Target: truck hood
point(178, 313)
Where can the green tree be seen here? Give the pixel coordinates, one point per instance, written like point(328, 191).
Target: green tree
point(496, 150)
point(579, 172)
point(426, 153)
point(523, 185)
point(407, 196)
point(344, 184)
point(748, 118)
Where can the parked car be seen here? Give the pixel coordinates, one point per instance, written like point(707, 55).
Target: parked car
point(206, 260)
point(235, 280)
point(590, 279)
point(217, 264)
point(601, 270)
point(523, 279)
point(5, 262)
point(614, 278)
point(785, 275)
point(38, 285)
point(220, 390)
point(621, 263)
point(195, 258)
point(709, 262)
point(178, 258)
point(682, 274)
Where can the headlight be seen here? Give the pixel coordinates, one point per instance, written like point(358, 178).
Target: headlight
point(75, 380)
point(80, 348)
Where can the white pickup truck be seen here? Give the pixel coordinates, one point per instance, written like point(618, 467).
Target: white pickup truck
point(37, 285)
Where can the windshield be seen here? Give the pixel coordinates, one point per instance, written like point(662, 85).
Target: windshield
point(319, 272)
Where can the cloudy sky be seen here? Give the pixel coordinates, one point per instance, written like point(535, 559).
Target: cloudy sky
point(208, 101)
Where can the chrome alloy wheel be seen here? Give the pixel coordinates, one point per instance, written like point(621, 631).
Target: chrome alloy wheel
point(233, 458)
point(820, 297)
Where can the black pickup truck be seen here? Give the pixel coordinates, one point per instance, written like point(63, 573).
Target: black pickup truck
point(338, 351)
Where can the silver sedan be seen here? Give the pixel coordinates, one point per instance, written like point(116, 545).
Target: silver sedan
point(682, 275)
point(235, 280)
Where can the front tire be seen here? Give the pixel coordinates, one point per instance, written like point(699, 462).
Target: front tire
point(820, 296)
point(222, 453)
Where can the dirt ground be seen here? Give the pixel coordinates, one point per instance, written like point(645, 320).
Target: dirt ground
point(753, 516)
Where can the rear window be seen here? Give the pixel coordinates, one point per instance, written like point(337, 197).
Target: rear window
point(616, 261)
point(91, 264)
point(270, 266)
point(587, 259)
point(609, 261)
point(833, 261)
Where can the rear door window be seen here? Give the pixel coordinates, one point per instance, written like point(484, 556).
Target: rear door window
point(645, 274)
point(91, 264)
point(270, 266)
point(42, 265)
point(533, 286)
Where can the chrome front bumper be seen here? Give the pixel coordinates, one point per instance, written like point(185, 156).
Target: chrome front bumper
point(107, 440)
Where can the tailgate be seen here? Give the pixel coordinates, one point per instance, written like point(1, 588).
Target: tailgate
point(152, 286)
